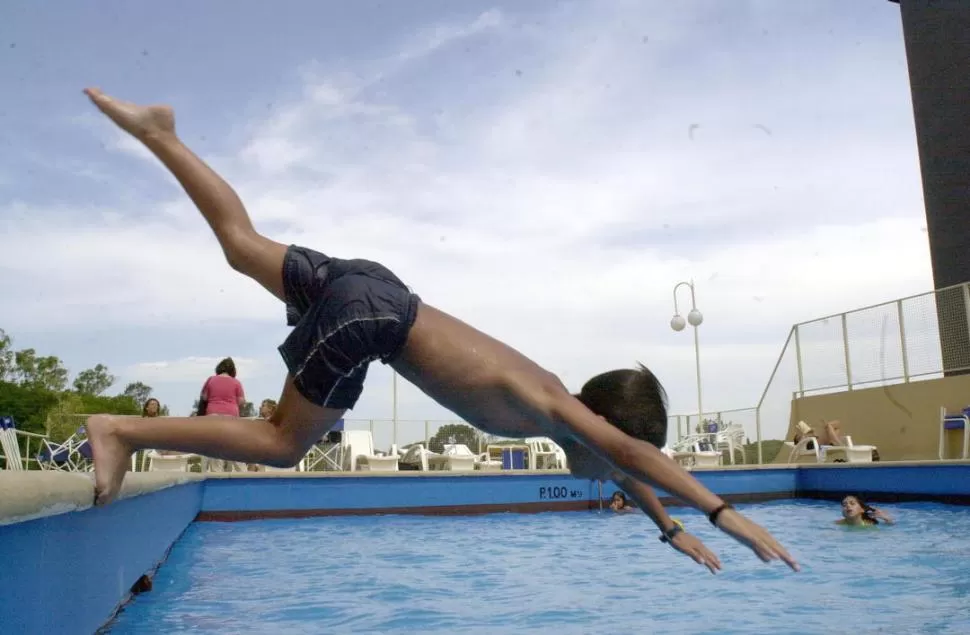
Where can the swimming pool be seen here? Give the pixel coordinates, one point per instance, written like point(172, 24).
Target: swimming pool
point(578, 572)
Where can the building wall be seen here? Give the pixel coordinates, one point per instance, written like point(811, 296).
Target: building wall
point(902, 420)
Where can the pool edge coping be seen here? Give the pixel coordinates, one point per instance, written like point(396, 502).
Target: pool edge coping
point(29, 495)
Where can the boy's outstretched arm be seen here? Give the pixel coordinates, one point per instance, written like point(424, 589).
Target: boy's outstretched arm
point(644, 462)
point(678, 538)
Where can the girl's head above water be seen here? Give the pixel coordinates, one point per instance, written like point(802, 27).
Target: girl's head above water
point(855, 511)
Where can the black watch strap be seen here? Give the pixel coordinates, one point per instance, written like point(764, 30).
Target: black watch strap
point(717, 512)
point(667, 536)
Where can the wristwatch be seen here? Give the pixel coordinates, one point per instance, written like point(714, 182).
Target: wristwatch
point(667, 536)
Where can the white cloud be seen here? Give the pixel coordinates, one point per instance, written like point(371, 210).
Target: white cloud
point(554, 208)
point(439, 36)
point(125, 143)
point(189, 369)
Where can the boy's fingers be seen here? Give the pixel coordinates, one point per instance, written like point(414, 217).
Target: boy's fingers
point(781, 553)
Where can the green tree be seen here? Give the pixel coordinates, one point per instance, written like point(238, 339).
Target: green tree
point(33, 392)
point(138, 391)
point(28, 407)
point(7, 365)
point(460, 433)
point(116, 405)
point(43, 373)
point(62, 419)
point(94, 381)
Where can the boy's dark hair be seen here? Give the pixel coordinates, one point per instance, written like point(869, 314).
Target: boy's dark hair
point(226, 366)
point(632, 400)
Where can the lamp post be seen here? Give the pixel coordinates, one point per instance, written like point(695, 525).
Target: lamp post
point(694, 318)
point(394, 408)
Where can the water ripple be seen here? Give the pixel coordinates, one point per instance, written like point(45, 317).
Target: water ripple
point(561, 573)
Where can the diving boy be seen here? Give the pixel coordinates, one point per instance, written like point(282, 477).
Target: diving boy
point(346, 314)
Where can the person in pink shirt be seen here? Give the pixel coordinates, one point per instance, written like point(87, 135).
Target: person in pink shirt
point(223, 393)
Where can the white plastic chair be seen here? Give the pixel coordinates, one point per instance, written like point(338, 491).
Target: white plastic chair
point(545, 454)
point(858, 453)
point(954, 421)
point(10, 444)
point(418, 455)
point(359, 451)
point(456, 457)
point(158, 462)
point(731, 438)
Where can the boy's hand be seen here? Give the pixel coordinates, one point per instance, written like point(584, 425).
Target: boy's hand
point(692, 546)
point(749, 533)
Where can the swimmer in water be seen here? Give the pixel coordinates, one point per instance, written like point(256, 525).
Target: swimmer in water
point(346, 314)
point(619, 503)
point(856, 513)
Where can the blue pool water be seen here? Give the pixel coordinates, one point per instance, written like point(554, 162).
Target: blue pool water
point(560, 573)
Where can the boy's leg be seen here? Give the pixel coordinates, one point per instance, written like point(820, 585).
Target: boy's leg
point(280, 441)
point(246, 251)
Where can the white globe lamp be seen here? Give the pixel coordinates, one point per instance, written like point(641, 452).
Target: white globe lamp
point(677, 322)
point(694, 318)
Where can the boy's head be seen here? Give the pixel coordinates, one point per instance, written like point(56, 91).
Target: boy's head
point(630, 399)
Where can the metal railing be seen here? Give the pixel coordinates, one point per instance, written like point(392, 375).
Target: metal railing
point(917, 337)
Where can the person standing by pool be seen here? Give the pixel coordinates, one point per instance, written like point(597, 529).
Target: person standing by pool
point(267, 408)
point(222, 396)
point(348, 313)
point(151, 408)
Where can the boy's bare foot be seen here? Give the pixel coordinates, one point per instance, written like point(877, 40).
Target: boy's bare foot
point(111, 458)
point(142, 122)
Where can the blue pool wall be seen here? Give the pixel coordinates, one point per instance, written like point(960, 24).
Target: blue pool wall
point(67, 573)
point(394, 494)
point(234, 499)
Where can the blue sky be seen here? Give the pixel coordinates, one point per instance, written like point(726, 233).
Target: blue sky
point(545, 170)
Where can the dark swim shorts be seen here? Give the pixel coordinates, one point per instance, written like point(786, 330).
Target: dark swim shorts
point(345, 314)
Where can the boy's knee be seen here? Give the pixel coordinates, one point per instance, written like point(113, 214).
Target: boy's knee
point(286, 452)
point(287, 457)
point(238, 245)
point(235, 253)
